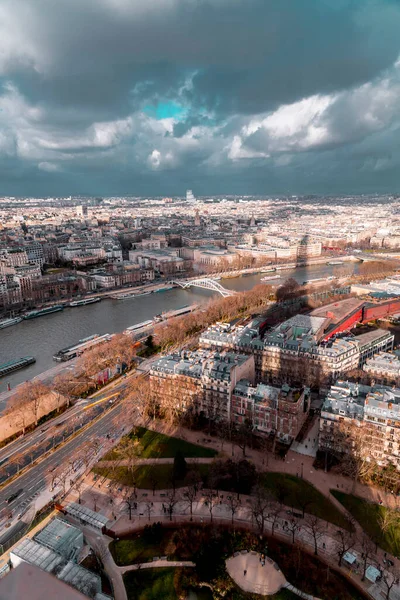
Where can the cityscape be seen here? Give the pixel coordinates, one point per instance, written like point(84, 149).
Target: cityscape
point(199, 300)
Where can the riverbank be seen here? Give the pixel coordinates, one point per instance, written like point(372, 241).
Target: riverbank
point(32, 337)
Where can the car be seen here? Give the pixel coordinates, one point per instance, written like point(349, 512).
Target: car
point(14, 496)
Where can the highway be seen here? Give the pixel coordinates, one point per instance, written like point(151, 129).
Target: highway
point(38, 477)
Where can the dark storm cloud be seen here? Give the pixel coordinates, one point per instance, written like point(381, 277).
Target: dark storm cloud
point(78, 75)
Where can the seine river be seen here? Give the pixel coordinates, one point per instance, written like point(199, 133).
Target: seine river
point(44, 336)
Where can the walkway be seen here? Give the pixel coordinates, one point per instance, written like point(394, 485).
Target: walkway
point(157, 564)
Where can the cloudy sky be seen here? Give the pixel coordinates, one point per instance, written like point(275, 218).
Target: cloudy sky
point(150, 97)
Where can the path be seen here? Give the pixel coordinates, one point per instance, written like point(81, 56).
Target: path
point(157, 564)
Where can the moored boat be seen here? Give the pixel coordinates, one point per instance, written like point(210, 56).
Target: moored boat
point(84, 301)
point(33, 314)
point(14, 365)
point(9, 322)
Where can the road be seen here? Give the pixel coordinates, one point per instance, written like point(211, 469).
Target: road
point(38, 478)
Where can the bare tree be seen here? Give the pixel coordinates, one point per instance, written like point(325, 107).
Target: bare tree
point(190, 495)
point(234, 503)
point(130, 502)
point(78, 488)
point(211, 499)
point(130, 454)
point(390, 578)
point(368, 551)
point(17, 460)
point(345, 542)
point(315, 528)
point(260, 506)
point(148, 506)
point(172, 500)
point(293, 526)
point(274, 515)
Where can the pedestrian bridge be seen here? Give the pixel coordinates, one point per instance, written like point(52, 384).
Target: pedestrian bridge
point(206, 284)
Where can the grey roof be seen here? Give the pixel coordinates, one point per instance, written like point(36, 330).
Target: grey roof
point(86, 514)
point(200, 363)
point(80, 578)
point(357, 401)
point(59, 536)
point(35, 554)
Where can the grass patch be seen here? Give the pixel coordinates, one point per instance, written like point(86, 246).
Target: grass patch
point(370, 516)
point(301, 495)
point(159, 445)
point(147, 477)
point(154, 540)
point(151, 584)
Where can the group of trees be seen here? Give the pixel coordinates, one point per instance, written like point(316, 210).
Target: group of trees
point(26, 404)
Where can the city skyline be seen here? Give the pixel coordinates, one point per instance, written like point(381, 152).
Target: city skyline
point(114, 97)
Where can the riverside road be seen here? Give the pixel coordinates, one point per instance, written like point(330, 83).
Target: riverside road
point(45, 336)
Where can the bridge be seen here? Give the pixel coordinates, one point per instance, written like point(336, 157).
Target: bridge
point(206, 284)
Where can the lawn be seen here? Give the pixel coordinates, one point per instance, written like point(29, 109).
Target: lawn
point(369, 516)
point(147, 477)
point(142, 547)
point(159, 445)
point(301, 495)
point(151, 584)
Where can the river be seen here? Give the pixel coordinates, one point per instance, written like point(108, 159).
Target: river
point(44, 336)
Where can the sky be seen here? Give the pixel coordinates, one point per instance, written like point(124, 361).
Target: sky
point(151, 97)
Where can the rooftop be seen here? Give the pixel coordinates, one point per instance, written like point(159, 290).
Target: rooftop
point(59, 536)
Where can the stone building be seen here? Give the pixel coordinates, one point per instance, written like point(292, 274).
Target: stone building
point(362, 420)
point(199, 382)
point(270, 410)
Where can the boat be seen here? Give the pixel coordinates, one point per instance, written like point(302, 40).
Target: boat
point(143, 294)
point(84, 301)
point(81, 347)
point(165, 288)
point(270, 277)
point(311, 281)
point(130, 296)
point(14, 365)
point(270, 270)
point(334, 263)
point(9, 322)
point(142, 325)
point(183, 310)
point(33, 314)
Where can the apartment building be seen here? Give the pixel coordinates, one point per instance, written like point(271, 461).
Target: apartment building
point(280, 411)
point(362, 419)
point(15, 257)
point(199, 382)
point(384, 368)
